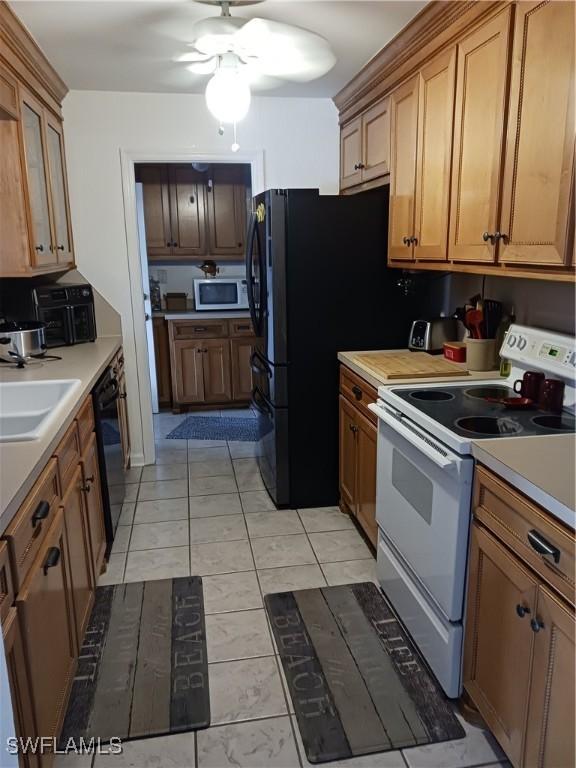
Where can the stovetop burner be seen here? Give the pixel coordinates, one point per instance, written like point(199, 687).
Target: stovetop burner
point(481, 393)
point(489, 425)
point(431, 395)
point(559, 423)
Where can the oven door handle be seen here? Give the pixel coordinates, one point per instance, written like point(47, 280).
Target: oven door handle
point(418, 439)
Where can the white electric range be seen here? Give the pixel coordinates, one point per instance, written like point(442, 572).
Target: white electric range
point(424, 485)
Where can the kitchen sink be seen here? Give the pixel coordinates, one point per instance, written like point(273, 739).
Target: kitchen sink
point(28, 408)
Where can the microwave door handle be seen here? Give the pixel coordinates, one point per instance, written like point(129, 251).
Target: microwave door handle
point(415, 438)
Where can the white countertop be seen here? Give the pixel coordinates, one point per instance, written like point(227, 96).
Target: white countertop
point(541, 467)
point(22, 462)
point(206, 315)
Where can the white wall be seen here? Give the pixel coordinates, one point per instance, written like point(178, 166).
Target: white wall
point(299, 139)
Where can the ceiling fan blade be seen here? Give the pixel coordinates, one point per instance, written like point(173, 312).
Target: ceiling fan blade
point(203, 67)
point(283, 50)
point(193, 56)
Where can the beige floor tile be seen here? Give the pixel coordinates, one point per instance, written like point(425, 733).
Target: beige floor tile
point(114, 573)
point(172, 455)
point(131, 493)
point(161, 510)
point(150, 564)
point(121, 539)
point(127, 513)
point(163, 489)
point(196, 443)
point(231, 592)
point(240, 449)
point(350, 572)
point(245, 690)
point(132, 475)
point(165, 472)
point(208, 454)
point(238, 635)
point(208, 529)
point(325, 519)
point(221, 557)
point(159, 535)
point(206, 486)
point(278, 551)
point(173, 751)
point(264, 524)
point(260, 744)
point(334, 546)
point(291, 578)
point(257, 501)
point(210, 468)
point(215, 505)
point(248, 475)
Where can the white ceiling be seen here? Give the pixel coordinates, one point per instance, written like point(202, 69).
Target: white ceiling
point(123, 45)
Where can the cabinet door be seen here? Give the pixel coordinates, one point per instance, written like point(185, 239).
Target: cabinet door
point(123, 419)
point(366, 437)
point(499, 639)
point(536, 203)
point(162, 355)
point(37, 181)
point(187, 376)
point(481, 74)
point(46, 614)
point(376, 141)
point(550, 727)
point(216, 370)
point(154, 180)
point(403, 147)
point(59, 191)
point(242, 377)
point(435, 122)
point(227, 202)
point(92, 497)
point(187, 211)
point(348, 450)
point(351, 153)
point(79, 553)
point(20, 689)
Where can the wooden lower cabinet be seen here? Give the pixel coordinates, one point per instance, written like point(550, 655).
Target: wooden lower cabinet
point(519, 649)
point(357, 457)
point(241, 370)
point(162, 355)
point(123, 419)
point(92, 497)
point(46, 615)
point(216, 371)
point(187, 372)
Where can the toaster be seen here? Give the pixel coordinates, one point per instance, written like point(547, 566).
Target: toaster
point(430, 335)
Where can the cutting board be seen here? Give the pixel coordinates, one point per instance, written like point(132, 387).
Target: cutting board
point(404, 365)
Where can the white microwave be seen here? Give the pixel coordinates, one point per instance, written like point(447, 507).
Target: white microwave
point(221, 293)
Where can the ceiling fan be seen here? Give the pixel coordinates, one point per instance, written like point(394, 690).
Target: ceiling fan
point(240, 54)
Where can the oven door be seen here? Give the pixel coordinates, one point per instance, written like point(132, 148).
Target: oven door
point(82, 323)
point(423, 507)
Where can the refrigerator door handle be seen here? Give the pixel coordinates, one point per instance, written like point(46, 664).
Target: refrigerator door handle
point(259, 402)
point(258, 365)
point(252, 232)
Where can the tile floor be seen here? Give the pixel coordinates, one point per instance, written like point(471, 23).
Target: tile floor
point(202, 510)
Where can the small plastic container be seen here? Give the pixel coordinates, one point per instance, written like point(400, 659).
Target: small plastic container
point(455, 351)
point(480, 354)
point(175, 302)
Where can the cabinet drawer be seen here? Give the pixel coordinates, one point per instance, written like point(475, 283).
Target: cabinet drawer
point(85, 419)
point(6, 589)
point(525, 528)
point(241, 327)
point(197, 329)
point(68, 456)
point(358, 392)
point(28, 529)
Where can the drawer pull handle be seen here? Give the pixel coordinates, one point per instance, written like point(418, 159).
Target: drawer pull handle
point(243, 327)
point(41, 513)
point(536, 625)
point(199, 329)
point(522, 610)
point(543, 547)
point(52, 559)
point(357, 392)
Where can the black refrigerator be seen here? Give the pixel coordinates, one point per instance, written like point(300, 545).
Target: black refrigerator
point(317, 284)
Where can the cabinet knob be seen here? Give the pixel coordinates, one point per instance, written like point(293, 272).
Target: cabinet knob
point(40, 513)
point(59, 247)
point(536, 625)
point(500, 236)
point(85, 488)
point(192, 199)
point(239, 245)
point(39, 248)
point(353, 428)
point(357, 392)
point(123, 395)
point(522, 610)
point(487, 236)
point(52, 559)
point(168, 244)
point(406, 240)
point(414, 240)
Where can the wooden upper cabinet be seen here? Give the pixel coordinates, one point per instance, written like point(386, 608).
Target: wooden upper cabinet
point(156, 198)
point(435, 125)
point(538, 173)
point(481, 74)
point(227, 209)
point(550, 725)
point(376, 141)
point(499, 638)
point(62, 226)
point(351, 153)
point(187, 211)
point(36, 163)
point(403, 148)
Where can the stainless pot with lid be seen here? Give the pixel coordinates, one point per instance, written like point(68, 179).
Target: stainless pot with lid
point(20, 339)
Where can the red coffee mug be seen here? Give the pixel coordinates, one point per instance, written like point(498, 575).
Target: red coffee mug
point(530, 385)
point(552, 396)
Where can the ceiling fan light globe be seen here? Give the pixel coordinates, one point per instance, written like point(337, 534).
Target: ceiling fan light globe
point(228, 95)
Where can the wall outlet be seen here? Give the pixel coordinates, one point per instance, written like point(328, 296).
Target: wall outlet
point(162, 276)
